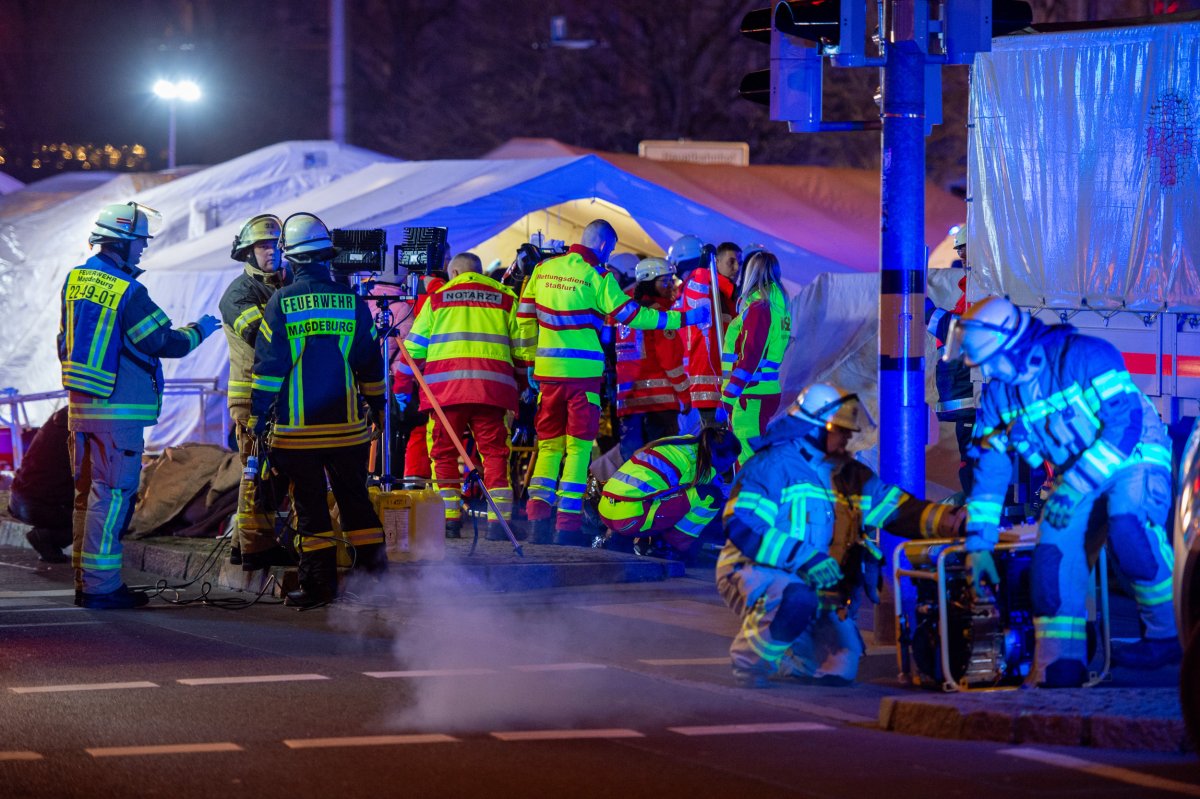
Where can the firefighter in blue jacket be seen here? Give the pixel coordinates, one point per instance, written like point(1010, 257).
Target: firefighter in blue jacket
point(111, 337)
point(316, 361)
point(798, 522)
point(1057, 397)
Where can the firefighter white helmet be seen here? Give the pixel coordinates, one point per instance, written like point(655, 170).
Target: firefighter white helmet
point(652, 269)
point(685, 250)
point(264, 227)
point(989, 327)
point(305, 238)
point(125, 222)
point(825, 405)
point(624, 264)
point(960, 236)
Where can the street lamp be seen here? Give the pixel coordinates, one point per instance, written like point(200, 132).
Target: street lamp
point(184, 90)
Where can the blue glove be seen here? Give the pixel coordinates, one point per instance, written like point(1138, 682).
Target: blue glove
point(401, 402)
point(1060, 507)
point(700, 315)
point(207, 325)
point(533, 384)
point(981, 571)
point(689, 422)
point(820, 571)
point(722, 414)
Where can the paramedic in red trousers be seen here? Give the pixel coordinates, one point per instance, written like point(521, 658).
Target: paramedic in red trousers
point(317, 360)
point(111, 337)
point(462, 342)
point(651, 378)
point(561, 315)
point(700, 342)
point(257, 246)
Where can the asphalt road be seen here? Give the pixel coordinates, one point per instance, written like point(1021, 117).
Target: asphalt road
point(619, 691)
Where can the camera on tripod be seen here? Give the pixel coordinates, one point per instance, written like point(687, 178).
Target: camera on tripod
point(362, 258)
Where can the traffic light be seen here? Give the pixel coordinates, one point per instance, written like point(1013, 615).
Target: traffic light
point(837, 27)
point(968, 26)
point(792, 85)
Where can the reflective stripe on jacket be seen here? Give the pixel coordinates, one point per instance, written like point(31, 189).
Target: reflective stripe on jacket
point(316, 353)
point(1082, 414)
point(786, 499)
point(562, 311)
point(754, 346)
point(700, 344)
point(650, 369)
point(242, 307)
point(111, 337)
point(463, 341)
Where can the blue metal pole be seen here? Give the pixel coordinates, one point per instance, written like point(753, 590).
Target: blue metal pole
point(903, 421)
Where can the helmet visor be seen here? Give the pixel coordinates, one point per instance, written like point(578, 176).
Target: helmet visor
point(953, 352)
point(147, 222)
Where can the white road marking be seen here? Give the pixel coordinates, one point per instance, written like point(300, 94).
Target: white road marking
point(368, 740)
point(55, 609)
point(17, 566)
point(251, 679)
point(163, 749)
point(95, 686)
point(559, 667)
point(747, 729)
point(1101, 770)
point(52, 624)
point(20, 755)
point(386, 675)
point(565, 735)
point(686, 661)
point(22, 594)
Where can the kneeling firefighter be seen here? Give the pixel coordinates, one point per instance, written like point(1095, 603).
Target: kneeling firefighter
point(798, 549)
point(316, 354)
point(671, 487)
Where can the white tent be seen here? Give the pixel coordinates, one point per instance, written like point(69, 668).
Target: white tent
point(37, 249)
point(817, 221)
point(9, 184)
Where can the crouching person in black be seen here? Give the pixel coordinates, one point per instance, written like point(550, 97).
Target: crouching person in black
point(316, 355)
point(43, 490)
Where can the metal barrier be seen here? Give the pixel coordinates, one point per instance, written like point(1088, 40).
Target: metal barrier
point(16, 416)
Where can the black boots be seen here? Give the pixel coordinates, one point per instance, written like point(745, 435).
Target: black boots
point(120, 599)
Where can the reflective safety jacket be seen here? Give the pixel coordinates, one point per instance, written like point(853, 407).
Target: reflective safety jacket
point(650, 369)
point(563, 309)
point(955, 391)
point(316, 353)
point(1082, 414)
point(791, 502)
point(462, 340)
point(242, 307)
point(754, 346)
point(700, 343)
point(655, 473)
point(111, 337)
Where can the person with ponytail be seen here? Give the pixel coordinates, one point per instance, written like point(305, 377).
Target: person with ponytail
point(671, 487)
point(753, 350)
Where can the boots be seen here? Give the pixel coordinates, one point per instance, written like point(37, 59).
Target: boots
point(1148, 653)
point(454, 528)
point(42, 541)
point(541, 531)
point(318, 580)
point(120, 599)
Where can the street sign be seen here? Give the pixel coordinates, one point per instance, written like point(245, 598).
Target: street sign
point(730, 153)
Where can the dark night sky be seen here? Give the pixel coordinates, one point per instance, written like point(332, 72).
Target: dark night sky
point(431, 78)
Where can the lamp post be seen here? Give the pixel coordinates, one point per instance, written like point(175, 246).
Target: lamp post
point(172, 91)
